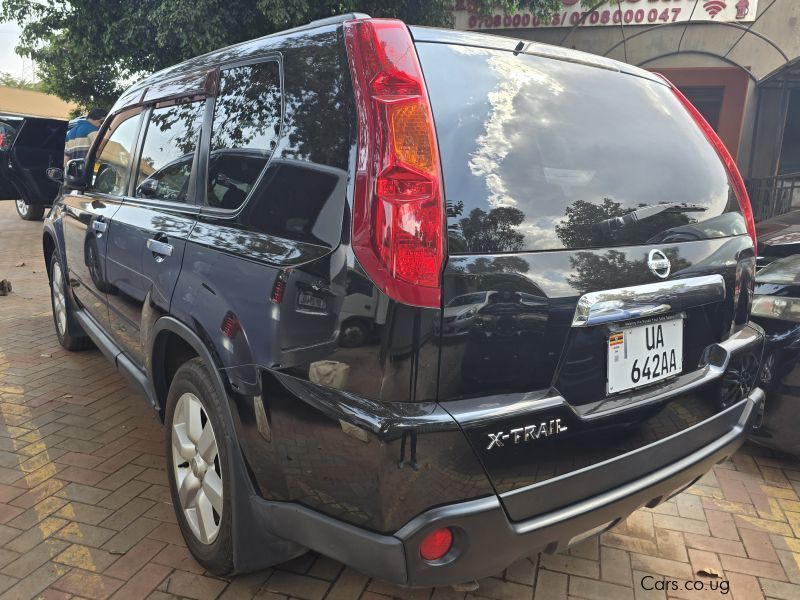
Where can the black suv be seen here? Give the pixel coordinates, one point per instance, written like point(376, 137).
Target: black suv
point(420, 300)
point(28, 147)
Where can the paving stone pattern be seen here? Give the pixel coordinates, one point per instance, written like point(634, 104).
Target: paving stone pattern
point(85, 511)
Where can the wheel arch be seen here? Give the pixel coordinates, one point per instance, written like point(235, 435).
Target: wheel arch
point(250, 528)
point(173, 343)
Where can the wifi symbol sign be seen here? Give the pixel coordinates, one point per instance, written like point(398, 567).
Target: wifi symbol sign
point(713, 7)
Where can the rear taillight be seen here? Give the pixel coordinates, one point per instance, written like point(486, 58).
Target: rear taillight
point(398, 208)
point(730, 165)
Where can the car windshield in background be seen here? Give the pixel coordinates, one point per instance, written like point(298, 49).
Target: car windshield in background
point(544, 154)
point(467, 299)
point(785, 271)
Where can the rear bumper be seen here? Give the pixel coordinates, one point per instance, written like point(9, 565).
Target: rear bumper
point(486, 540)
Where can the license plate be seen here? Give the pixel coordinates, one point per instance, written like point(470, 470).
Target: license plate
point(644, 354)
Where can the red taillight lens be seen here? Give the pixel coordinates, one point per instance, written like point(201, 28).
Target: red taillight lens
point(398, 209)
point(436, 544)
point(730, 165)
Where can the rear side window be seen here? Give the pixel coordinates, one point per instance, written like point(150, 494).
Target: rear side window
point(246, 126)
point(544, 154)
point(168, 151)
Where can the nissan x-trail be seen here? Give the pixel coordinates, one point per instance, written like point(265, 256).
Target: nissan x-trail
point(423, 301)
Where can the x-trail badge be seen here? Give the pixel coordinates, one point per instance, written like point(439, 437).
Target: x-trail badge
point(658, 263)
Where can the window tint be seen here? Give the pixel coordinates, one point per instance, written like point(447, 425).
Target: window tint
point(114, 155)
point(169, 145)
point(294, 202)
point(247, 117)
point(544, 154)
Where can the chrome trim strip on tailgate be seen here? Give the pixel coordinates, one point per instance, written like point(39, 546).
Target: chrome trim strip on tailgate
point(635, 302)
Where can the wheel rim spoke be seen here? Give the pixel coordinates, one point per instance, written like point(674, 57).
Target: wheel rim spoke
point(181, 442)
point(194, 424)
point(207, 445)
point(205, 517)
point(188, 490)
point(212, 489)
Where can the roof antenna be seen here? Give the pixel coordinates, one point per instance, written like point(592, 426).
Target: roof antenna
point(519, 48)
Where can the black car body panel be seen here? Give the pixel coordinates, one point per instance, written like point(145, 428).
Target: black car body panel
point(239, 241)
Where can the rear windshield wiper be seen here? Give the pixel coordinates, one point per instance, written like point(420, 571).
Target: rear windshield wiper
point(617, 223)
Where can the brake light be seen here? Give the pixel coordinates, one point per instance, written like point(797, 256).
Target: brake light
point(398, 208)
point(730, 165)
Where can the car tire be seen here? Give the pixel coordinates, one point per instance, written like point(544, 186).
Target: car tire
point(353, 334)
point(199, 466)
point(29, 212)
point(62, 311)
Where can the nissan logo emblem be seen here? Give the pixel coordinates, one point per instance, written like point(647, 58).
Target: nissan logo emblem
point(658, 263)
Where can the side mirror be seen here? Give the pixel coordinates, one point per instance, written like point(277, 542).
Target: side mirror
point(55, 174)
point(147, 188)
point(75, 174)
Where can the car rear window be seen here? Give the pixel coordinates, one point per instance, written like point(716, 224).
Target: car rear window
point(545, 154)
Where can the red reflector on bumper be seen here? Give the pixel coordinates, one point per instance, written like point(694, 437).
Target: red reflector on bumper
point(436, 544)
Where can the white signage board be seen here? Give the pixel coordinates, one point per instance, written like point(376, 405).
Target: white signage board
point(612, 13)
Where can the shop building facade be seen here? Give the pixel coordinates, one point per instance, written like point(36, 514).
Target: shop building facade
point(737, 60)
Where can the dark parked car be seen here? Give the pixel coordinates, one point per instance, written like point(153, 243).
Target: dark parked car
point(776, 307)
point(778, 237)
point(28, 147)
point(238, 209)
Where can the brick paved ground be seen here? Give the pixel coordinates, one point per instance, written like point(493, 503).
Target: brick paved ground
point(85, 510)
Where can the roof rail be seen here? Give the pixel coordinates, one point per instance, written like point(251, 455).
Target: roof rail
point(338, 19)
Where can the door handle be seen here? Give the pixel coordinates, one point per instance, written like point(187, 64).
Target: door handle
point(160, 249)
point(99, 226)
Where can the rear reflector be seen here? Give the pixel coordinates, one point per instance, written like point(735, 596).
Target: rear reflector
point(730, 165)
point(398, 209)
point(230, 325)
point(436, 544)
point(279, 287)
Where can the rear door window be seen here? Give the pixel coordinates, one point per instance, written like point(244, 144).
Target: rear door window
point(246, 126)
point(170, 142)
point(545, 154)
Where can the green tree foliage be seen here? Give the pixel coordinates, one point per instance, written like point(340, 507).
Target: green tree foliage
point(9, 80)
point(86, 50)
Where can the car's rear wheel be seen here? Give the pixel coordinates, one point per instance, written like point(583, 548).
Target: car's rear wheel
point(353, 334)
point(67, 337)
point(198, 466)
point(29, 212)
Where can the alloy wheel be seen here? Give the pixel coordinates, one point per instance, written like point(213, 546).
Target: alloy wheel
point(22, 207)
point(197, 468)
point(59, 301)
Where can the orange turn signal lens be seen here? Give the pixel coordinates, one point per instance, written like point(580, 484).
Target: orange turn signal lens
point(411, 136)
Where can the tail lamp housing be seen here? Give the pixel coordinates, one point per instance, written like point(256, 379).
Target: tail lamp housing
point(398, 208)
point(724, 154)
